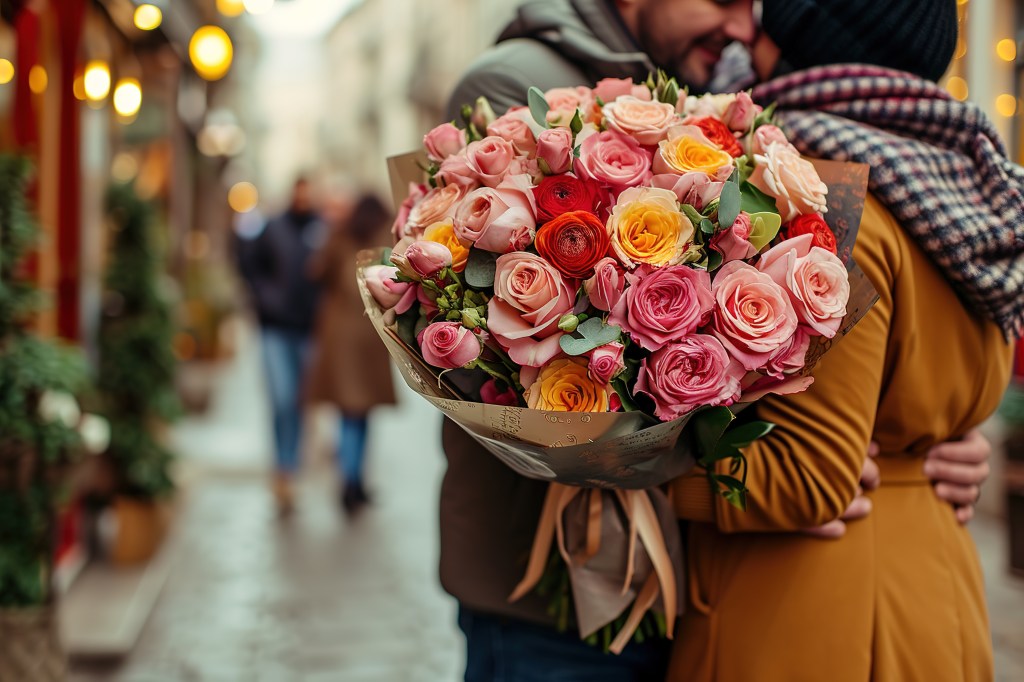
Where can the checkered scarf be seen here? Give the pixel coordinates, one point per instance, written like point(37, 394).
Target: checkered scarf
point(937, 164)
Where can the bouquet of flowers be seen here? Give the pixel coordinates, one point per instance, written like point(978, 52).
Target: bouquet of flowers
point(592, 285)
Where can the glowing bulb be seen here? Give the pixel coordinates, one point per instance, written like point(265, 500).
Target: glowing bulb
point(37, 79)
point(1006, 105)
point(97, 80)
point(127, 97)
point(211, 52)
point(148, 17)
point(957, 87)
point(6, 71)
point(230, 8)
point(258, 6)
point(1006, 49)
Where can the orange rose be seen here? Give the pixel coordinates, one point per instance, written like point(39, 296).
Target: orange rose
point(563, 385)
point(688, 150)
point(646, 226)
point(444, 233)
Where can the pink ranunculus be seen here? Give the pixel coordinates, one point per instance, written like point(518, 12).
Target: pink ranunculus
point(645, 121)
point(764, 136)
point(423, 259)
point(443, 141)
point(490, 394)
point(754, 315)
point(790, 357)
point(500, 219)
point(734, 243)
point(661, 305)
point(416, 193)
point(455, 171)
point(613, 159)
point(490, 159)
point(610, 89)
point(380, 280)
point(554, 146)
point(530, 296)
point(695, 189)
point(816, 280)
point(448, 345)
point(791, 180)
point(740, 114)
point(436, 206)
point(512, 127)
point(605, 288)
point(606, 361)
point(685, 375)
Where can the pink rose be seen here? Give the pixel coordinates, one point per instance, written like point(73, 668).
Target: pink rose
point(436, 206)
point(554, 147)
point(416, 193)
point(734, 242)
point(605, 288)
point(499, 219)
point(764, 136)
point(563, 103)
point(792, 181)
point(815, 279)
point(490, 394)
point(646, 122)
point(606, 361)
point(613, 159)
point(790, 357)
point(663, 304)
point(740, 114)
point(443, 141)
point(513, 128)
point(754, 315)
point(530, 296)
point(693, 372)
point(423, 259)
point(386, 291)
point(448, 345)
point(456, 171)
point(490, 159)
point(610, 89)
point(695, 189)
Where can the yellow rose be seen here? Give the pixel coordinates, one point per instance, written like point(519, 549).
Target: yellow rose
point(444, 233)
point(646, 226)
point(563, 385)
point(688, 150)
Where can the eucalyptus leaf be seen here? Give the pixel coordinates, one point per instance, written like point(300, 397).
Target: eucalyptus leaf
point(538, 106)
point(591, 334)
point(729, 204)
point(753, 200)
point(480, 268)
point(706, 226)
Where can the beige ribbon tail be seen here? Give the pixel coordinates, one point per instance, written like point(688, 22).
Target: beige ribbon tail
point(541, 543)
point(644, 601)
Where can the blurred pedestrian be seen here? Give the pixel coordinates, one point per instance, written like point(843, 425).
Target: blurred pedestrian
point(350, 368)
point(276, 265)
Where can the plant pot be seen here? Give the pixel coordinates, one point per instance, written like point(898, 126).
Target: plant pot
point(30, 649)
point(141, 525)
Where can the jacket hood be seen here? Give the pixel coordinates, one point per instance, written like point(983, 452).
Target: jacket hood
point(588, 33)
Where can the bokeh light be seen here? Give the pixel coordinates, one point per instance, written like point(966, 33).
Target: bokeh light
point(957, 87)
point(211, 52)
point(127, 97)
point(1006, 105)
point(148, 17)
point(97, 80)
point(243, 197)
point(37, 79)
point(230, 8)
point(1006, 49)
point(6, 71)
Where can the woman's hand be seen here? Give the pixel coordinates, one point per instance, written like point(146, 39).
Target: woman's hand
point(957, 469)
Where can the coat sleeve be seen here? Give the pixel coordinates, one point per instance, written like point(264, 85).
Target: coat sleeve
point(806, 471)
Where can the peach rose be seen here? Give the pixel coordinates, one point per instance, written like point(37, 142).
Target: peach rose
point(610, 89)
point(563, 103)
point(791, 356)
point(437, 205)
point(764, 136)
point(512, 127)
point(646, 226)
point(791, 180)
point(455, 170)
point(490, 159)
point(530, 296)
point(686, 149)
point(564, 385)
point(613, 159)
point(398, 228)
point(754, 316)
point(815, 279)
point(646, 122)
point(444, 233)
point(443, 141)
point(499, 219)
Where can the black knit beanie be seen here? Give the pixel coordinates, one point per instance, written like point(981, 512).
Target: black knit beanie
point(918, 36)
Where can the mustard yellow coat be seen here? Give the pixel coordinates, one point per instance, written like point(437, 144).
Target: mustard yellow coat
point(900, 597)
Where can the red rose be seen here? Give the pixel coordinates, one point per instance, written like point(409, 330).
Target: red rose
point(573, 243)
point(558, 194)
point(719, 133)
point(814, 224)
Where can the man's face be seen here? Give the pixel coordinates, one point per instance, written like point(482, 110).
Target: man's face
point(686, 37)
point(302, 197)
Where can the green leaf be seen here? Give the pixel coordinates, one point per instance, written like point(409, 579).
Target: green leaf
point(714, 260)
point(765, 117)
point(736, 498)
point(729, 204)
point(480, 268)
point(753, 200)
point(708, 427)
point(706, 226)
point(693, 214)
point(538, 106)
point(620, 388)
point(592, 333)
point(763, 228)
point(742, 436)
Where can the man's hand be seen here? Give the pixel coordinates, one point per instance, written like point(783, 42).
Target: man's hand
point(870, 477)
point(957, 469)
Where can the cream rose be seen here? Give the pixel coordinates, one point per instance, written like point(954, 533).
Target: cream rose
point(791, 180)
point(647, 122)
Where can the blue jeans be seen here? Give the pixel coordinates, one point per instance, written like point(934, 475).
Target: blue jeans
point(284, 358)
point(505, 650)
point(352, 448)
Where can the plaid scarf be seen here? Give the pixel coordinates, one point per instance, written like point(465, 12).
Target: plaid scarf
point(937, 164)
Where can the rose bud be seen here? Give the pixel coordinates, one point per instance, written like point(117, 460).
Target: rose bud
point(443, 141)
point(448, 345)
point(740, 114)
point(573, 242)
point(554, 147)
point(423, 260)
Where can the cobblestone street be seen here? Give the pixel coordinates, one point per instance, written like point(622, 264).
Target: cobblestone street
point(323, 597)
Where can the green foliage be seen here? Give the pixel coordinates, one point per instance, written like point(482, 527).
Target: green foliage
point(719, 437)
point(137, 364)
point(538, 106)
